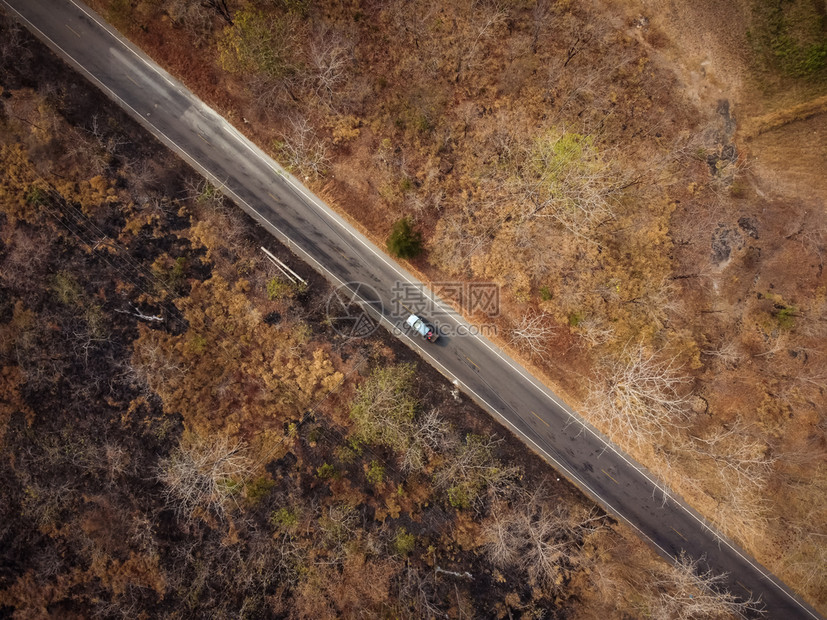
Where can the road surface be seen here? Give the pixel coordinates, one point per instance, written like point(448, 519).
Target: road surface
point(330, 245)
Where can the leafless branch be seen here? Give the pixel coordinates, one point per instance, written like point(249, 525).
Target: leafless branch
point(532, 334)
point(640, 395)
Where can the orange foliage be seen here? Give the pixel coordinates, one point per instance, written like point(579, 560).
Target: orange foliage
point(230, 371)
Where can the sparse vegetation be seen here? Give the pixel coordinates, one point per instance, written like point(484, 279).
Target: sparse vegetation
point(547, 147)
point(169, 448)
point(790, 36)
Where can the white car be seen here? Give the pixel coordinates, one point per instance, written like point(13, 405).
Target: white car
point(423, 328)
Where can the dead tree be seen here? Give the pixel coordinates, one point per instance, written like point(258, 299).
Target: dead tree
point(220, 7)
point(640, 395)
point(532, 334)
point(328, 57)
point(690, 592)
point(303, 150)
point(202, 476)
point(536, 538)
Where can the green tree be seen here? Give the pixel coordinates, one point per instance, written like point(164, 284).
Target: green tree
point(567, 179)
point(405, 241)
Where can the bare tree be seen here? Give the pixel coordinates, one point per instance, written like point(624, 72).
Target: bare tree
point(536, 538)
point(540, 18)
point(417, 24)
point(26, 253)
point(736, 465)
point(594, 331)
point(328, 58)
point(462, 236)
point(484, 19)
point(110, 142)
point(273, 96)
point(740, 458)
point(220, 7)
point(203, 476)
point(687, 591)
point(805, 558)
point(304, 152)
point(640, 395)
point(726, 353)
point(196, 17)
point(93, 147)
point(813, 237)
point(150, 364)
point(419, 588)
point(12, 41)
point(427, 435)
point(472, 471)
point(201, 191)
point(144, 179)
point(532, 333)
point(337, 525)
point(90, 336)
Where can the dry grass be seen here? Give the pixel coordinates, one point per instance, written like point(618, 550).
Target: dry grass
point(439, 125)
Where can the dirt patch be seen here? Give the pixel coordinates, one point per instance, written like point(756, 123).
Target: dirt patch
point(702, 40)
point(781, 122)
point(793, 159)
point(724, 240)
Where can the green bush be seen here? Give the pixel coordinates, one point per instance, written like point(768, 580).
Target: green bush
point(257, 489)
point(790, 36)
point(404, 241)
point(67, 289)
point(276, 289)
point(786, 317)
point(121, 14)
point(404, 542)
point(198, 343)
point(37, 196)
point(376, 473)
point(345, 454)
point(314, 434)
point(178, 273)
point(284, 519)
point(326, 471)
point(459, 497)
point(385, 406)
point(258, 43)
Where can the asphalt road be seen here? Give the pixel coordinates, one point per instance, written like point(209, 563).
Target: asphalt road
point(321, 238)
